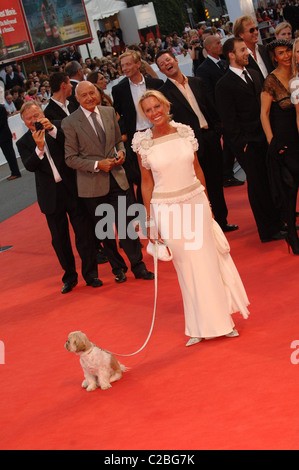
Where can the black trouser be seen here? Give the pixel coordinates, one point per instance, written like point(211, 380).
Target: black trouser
point(253, 162)
point(9, 153)
point(291, 161)
point(228, 159)
point(68, 205)
point(210, 159)
point(133, 173)
point(131, 247)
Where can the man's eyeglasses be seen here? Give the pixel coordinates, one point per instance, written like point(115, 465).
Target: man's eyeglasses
point(252, 30)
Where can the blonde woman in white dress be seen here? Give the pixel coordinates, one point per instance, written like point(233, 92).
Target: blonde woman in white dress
point(173, 179)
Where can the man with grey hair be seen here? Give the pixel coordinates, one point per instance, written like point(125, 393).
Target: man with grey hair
point(75, 72)
point(94, 148)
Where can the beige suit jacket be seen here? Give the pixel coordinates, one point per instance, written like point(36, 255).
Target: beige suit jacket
point(82, 150)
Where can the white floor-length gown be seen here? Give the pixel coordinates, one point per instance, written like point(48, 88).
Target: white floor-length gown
point(210, 283)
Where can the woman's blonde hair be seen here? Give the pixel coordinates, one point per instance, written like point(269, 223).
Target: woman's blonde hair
point(155, 94)
point(282, 26)
point(294, 61)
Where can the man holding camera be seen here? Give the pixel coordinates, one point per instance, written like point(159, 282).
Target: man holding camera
point(42, 152)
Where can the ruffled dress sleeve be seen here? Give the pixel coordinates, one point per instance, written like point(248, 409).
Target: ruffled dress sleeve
point(186, 132)
point(141, 144)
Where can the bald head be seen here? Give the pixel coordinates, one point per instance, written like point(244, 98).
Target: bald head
point(82, 87)
point(87, 95)
point(213, 46)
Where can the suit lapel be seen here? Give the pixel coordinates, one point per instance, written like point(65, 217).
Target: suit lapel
point(240, 82)
point(85, 125)
point(105, 122)
point(216, 69)
point(179, 96)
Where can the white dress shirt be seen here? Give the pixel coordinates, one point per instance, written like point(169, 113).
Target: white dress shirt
point(41, 155)
point(240, 73)
point(137, 90)
point(99, 119)
point(259, 61)
point(62, 105)
point(188, 94)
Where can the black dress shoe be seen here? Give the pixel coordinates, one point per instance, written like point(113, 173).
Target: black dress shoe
point(145, 274)
point(277, 236)
point(120, 277)
point(229, 228)
point(232, 182)
point(95, 282)
point(68, 286)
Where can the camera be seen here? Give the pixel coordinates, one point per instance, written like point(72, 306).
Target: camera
point(38, 126)
point(194, 42)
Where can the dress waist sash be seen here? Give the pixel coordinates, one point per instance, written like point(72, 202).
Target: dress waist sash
point(180, 195)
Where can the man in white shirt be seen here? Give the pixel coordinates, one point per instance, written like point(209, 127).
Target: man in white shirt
point(245, 27)
point(238, 103)
point(125, 96)
point(190, 105)
point(42, 152)
point(9, 104)
point(210, 71)
point(59, 106)
point(94, 148)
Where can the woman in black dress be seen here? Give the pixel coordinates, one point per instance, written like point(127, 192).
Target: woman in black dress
point(278, 117)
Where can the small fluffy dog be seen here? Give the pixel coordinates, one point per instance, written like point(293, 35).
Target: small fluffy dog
point(100, 367)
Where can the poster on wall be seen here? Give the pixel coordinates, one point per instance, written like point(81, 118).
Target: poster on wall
point(53, 23)
point(150, 33)
point(14, 41)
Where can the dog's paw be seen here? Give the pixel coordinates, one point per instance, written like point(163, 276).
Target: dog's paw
point(84, 384)
point(91, 387)
point(106, 386)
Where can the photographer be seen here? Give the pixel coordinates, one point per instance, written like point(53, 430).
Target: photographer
point(195, 48)
point(42, 152)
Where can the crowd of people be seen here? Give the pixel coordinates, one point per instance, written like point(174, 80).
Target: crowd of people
point(240, 104)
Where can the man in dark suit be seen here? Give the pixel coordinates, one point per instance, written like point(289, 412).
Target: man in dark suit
point(75, 72)
point(94, 148)
point(42, 152)
point(238, 103)
point(59, 107)
point(13, 78)
point(210, 71)
point(125, 98)
point(245, 27)
point(190, 105)
point(7, 146)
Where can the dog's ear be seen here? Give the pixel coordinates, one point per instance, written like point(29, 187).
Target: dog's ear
point(80, 344)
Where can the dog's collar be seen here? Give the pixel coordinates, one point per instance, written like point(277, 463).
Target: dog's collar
point(86, 353)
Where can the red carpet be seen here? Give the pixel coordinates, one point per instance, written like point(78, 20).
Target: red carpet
point(239, 393)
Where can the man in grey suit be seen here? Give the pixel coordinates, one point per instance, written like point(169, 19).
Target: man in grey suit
point(94, 148)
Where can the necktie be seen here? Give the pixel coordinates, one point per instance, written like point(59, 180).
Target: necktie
point(220, 65)
point(248, 79)
point(99, 130)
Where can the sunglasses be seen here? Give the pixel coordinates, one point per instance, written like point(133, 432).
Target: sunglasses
point(252, 30)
